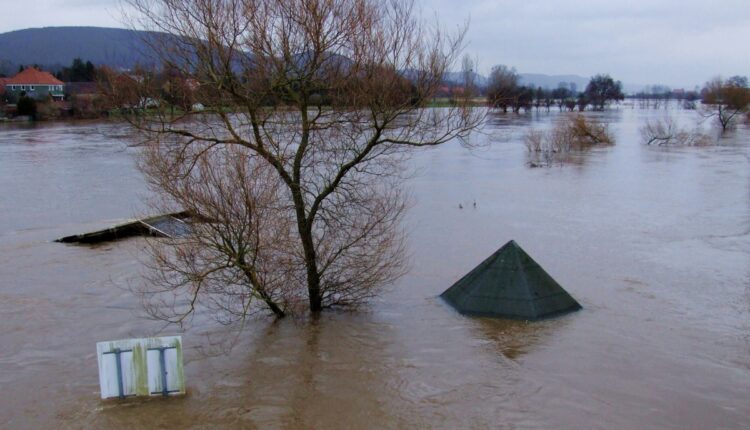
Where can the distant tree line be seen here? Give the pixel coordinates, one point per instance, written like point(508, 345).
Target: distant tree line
point(505, 92)
point(78, 72)
point(655, 96)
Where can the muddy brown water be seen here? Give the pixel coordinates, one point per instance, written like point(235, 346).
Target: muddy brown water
point(654, 243)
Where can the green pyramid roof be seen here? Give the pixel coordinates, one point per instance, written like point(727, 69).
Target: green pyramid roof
point(510, 284)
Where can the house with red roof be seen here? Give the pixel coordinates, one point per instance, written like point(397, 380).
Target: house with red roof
point(35, 84)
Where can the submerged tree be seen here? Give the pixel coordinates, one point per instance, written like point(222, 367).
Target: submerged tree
point(601, 90)
point(502, 90)
point(564, 95)
point(238, 253)
point(572, 132)
point(666, 131)
point(726, 100)
point(295, 174)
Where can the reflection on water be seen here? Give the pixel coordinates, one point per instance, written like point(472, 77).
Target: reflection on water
point(512, 338)
point(653, 242)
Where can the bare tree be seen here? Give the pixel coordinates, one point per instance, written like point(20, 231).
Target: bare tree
point(601, 90)
point(726, 100)
point(468, 66)
point(325, 94)
point(666, 131)
point(502, 90)
point(239, 253)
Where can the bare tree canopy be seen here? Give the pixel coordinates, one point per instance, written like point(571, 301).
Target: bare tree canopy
point(571, 133)
point(503, 87)
point(601, 90)
point(726, 100)
point(295, 165)
point(666, 131)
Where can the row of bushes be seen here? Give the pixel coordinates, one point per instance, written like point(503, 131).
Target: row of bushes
point(79, 107)
point(572, 134)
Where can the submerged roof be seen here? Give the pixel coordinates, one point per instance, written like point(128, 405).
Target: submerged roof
point(33, 76)
point(510, 284)
point(170, 225)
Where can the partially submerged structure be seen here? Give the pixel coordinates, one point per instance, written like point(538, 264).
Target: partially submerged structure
point(141, 367)
point(167, 225)
point(510, 284)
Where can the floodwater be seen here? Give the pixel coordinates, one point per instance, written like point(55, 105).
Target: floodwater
point(653, 242)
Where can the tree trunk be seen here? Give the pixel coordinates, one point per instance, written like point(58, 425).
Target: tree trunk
point(304, 226)
point(313, 277)
point(275, 308)
point(253, 279)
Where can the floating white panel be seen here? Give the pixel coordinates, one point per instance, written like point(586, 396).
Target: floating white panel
point(109, 367)
point(145, 365)
point(169, 366)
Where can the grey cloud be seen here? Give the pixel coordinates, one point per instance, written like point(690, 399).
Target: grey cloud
point(676, 42)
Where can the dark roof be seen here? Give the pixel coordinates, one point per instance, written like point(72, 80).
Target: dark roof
point(167, 225)
point(510, 284)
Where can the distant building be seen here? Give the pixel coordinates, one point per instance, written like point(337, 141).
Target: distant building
point(35, 84)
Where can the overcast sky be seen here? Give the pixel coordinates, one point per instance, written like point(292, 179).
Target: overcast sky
point(673, 42)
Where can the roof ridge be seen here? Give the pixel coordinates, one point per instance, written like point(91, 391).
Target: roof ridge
point(528, 291)
point(33, 76)
point(496, 288)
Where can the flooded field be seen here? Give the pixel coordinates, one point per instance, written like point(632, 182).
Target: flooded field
point(653, 242)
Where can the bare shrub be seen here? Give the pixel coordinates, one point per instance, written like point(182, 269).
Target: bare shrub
point(572, 133)
point(666, 131)
point(582, 133)
point(48, 110)
point(88, 106)
point(534, 140)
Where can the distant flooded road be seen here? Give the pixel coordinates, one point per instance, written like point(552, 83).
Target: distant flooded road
point(653, 242)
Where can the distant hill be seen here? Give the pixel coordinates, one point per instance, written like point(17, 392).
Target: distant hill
point(54, 47)
point(529, 79)
point(552, 81)
point(458, 78)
